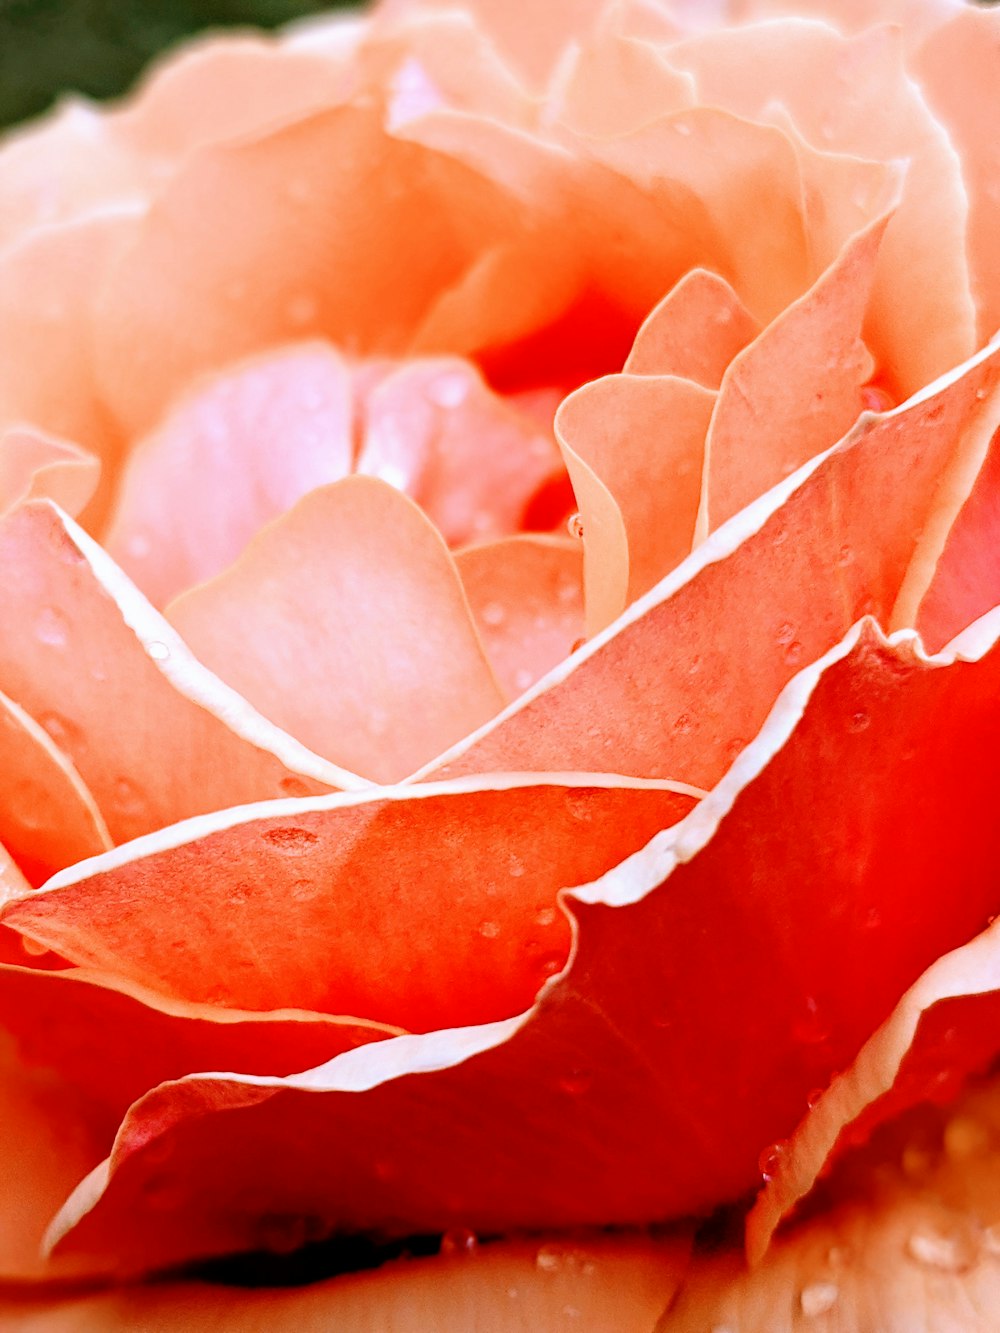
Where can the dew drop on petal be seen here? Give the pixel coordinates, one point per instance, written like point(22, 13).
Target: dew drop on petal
point(793, 653)
point(493, 614)
point(51, 628)
point(290, 841)
point(291, 786)
point(965, 1137)
point(936, 1249)
point(546, 917)
point(580, 803)
point(158, 651)
point(66, 734)
point(859, 721)
point(128, 797)
point(574, 526)
point(33, 947)
point(448, 390)
point(785, 633)
point(459, 1241)
point(489, 930)
point(818, 1298)
point(549, 1259)
point(771, 1159)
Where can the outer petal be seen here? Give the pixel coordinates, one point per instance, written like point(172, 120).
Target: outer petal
point(774, 588)
point(151, 732)
point(526, 596)
point(612, 1098)
point(345, 623)
point(233, 454)
point(583, 1284)
point(204, 911)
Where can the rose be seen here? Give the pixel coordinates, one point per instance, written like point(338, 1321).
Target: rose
point(522, 212)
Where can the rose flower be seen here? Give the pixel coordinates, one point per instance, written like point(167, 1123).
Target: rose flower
point(499, 523)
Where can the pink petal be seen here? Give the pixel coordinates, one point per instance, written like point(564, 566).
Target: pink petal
point(344, 622)
point(526, 597)
point(154, 736)
point(233, 454)
point(695, 331)
point(337, 905)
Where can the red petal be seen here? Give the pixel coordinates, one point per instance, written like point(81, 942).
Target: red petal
point(526, 595)
point(773, 589)
point(154, 736)
point(694, 332)
point(614, 1098)
point(204, 912)
point(232, 455)
point(345, 623)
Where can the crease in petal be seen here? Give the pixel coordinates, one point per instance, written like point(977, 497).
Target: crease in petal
point(36, 465)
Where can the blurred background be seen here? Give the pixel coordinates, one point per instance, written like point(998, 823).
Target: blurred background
point(98, 47)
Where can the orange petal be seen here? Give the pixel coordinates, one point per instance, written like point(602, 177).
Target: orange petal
point(366, 878)
point(966, 579)
point(36, 465)
point(694, 332)
point(434, 430)
point(910, 1249)
point(232, 455)
point(519, 1123)
point(526, 596)
point(773, 589)
point(796, 389)
point(587, 1284)
point(77, 1052)
point(345, 623)
point(634, 447)
point(48, 817)
point(154, 736)
point(187, 298)
point(922, 320)
point(968, 106)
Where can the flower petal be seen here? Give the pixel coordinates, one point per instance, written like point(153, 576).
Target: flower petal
point(858, 807)
point(774, 588)
point(153, 734)
point(526, 596)
point(36, 465)
point(345, 623)
point(202, 911)
point(233, 454)
point(695, 331)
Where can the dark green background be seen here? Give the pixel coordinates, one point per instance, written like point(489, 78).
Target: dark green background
point(99, 46)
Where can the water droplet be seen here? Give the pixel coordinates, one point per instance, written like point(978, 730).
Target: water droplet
point(965, 1137)
point(33, 947)
point(793, 653)
point(875, 399)
point(813, 1097)
point(810, 1028)
point(550, 964)
point(682, 127)
point(916, 1161)
point(576, 1082)
point(980, 393)
point(459, 1241)
point(489, 930)
point(138, 546)
point(493, 614)
point(859, 722)
point(546, 917)
point(293, 787)
point(66, 734)
point(303, 890)
point(683, 724)
point(448, 390)
point(989, 1239)
point(302, 309)
point(129, 798)
point(577, 645)
point(581, 802)
point(567, 592)
point(549, 1259)
point(515, 866)
point(523, 678)
point(818, 1298)
point(779, 537)
point(771, 1159)
point(937, 1249)
point(284, 1233)
point(51, 628)
point(158, 651)
point(291, 841)
point(845, 555)
point(785, 633)
point(574, 526)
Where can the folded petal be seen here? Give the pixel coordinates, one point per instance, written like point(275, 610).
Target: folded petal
point(695, 331)
point(345, 623)
point(36, 465)
point(774, 588)
point(858, 805)
point(526, 596)
point(419, 906)
point(153, 734)
point(234, 453)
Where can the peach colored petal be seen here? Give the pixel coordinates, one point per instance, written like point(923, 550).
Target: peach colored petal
point(773, 589)
point(48, 284)
point(853, 96)
point(615, 84)
point(154, 736)
point(186, 299)
point(345, 623)
point(966, 579)
point(911, 1249)
point(795, 390)
point(202, 911)
point(234, 453)
point(612, 1099)
point(48, 817)
point(614, 1284)
point(35, 465)
point(695, 331)
point(526, 596)
point(634, 447)
point(968, 106)
point(434, 430)
point(76, 1051)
